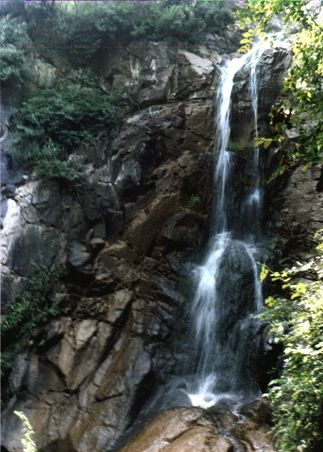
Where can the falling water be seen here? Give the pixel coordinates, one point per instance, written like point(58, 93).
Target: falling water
point(253, 205)
point(229, 290)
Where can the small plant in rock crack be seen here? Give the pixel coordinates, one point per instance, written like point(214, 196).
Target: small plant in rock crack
point(194, 201)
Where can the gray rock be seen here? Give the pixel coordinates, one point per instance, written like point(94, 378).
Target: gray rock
point(36, 246)
point(77, 254)
point(42, 73)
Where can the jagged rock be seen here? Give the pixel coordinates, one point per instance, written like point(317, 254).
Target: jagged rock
point(93, 421)
point(159, 73)
point(144, 229)
point(299, 215)
point(194, 74)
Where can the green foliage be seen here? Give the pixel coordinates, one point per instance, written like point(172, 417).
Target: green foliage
point(296, 320)
point(32, 308)
point(194, 201)
point(80, 29)
point(69, 113)
point(49, 162)
point(7, 357)
point(263, 142)
point(304, 82)
point(27, 441)
point(53, 122)
point(13, 42)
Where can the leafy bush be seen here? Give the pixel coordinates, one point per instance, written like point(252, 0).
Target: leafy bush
point(13, 42)
point(296, 321)
point(194, 201)
point(53, 122)
point(304, 82)
point(69, 113)
point(81, 29)
point(32, 308)
point(49, 162)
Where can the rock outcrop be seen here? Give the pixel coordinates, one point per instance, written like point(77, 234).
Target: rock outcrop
point(299, 215)
point(124, 242)
point(215, 430)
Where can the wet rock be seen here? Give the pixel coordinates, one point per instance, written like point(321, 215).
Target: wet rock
point(27, 252)
point(78, 254)
point(277, 61)
point(259, 410)
point(239, 292)
point(11, 174)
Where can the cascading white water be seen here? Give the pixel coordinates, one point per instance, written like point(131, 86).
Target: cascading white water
point(222, 317)
point(254, 200)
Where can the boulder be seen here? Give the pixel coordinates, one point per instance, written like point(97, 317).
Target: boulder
point(194, 429)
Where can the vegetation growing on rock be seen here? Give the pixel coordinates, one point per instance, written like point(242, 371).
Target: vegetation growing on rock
point(80, 30)
point(295, 318)
point(76, 110)
point(32, 308)
point(304, 20)
point(53, 122)
point(13, 41)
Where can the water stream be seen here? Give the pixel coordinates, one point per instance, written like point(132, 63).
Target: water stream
point(228, 287)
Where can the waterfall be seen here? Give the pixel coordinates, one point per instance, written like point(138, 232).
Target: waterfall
point(228, 288)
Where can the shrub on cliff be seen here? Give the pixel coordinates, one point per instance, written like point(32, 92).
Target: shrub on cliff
point(32, 308)
point(304, 83)
point(53, 122)
point(79, 30)
point(13, 42)
point(296, 321)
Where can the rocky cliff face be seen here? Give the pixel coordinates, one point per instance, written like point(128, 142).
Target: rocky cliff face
point(125, 242)
point(297, 213)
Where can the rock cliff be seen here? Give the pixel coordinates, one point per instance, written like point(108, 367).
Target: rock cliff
point(124, 243)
